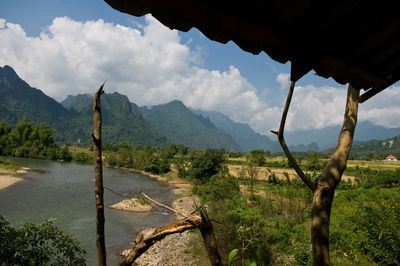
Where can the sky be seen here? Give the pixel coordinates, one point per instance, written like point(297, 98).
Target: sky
point(70, 47)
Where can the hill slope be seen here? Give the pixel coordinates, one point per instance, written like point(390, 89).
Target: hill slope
point(122, 120)
point(175, 121)
point(244, 136)
point(19, 100)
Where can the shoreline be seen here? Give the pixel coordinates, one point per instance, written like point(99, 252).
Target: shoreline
point(182, 187)
point(177, 249)
point(9, 177)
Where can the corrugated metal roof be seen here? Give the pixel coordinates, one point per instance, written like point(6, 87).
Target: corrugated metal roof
point(352, 41)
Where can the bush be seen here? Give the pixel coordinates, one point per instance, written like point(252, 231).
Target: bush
point(365, 221)
point(82, 157)
point(205, 165)
point(38, 245)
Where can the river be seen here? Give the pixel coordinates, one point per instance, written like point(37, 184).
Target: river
point(64, 193)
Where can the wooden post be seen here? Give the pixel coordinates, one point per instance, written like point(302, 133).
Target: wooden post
point(98, 172)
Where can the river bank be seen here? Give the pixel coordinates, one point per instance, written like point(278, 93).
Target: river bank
point(177, 249)
point(11, 177)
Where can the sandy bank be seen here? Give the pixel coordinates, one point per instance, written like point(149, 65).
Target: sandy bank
point(133, 205)
point(9, 178)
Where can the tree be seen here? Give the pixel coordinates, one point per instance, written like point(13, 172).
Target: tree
point(42, 244)
point(252, 170)
point(323, 188)
point(257, 156)
point(205, 165)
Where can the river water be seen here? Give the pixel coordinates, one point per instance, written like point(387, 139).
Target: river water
point(64, 194)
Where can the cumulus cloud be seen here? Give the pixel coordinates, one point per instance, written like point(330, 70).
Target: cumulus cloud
point(316, 107)
point(151, 65)
point(383, 109)
point(2, 23)
point(283, 80)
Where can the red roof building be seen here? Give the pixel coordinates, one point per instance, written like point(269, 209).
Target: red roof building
point(391, 158)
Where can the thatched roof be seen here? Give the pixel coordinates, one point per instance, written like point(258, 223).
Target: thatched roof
point(352, 41)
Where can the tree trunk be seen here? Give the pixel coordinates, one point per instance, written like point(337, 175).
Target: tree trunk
point(329, 179)
point(98, 172)
point(210, 241)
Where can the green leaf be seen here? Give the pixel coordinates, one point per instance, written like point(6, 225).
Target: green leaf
point(233, 256)
point(250, 263)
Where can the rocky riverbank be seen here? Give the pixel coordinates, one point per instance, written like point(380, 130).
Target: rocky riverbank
point(177, 249)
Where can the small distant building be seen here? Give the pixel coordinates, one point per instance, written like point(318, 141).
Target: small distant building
point(391, 158)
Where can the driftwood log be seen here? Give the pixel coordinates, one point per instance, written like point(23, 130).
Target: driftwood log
point(202, 222)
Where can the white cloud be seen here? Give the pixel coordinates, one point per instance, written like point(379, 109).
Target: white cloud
point(314, 107)
point(151, 65)
point(2, 23)
point(283, 80)
point(383, 109)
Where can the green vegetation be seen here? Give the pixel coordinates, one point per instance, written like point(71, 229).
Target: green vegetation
point(31, 141)
point(267, 221)
point(257, 221)
point(7, 164)
point(42, 244)
point(156, 160)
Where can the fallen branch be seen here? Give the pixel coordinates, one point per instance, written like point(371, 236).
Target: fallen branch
point(162, 205)
point(145, 240)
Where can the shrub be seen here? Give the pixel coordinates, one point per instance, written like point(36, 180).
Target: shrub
point(42, 244)
point(205, 165)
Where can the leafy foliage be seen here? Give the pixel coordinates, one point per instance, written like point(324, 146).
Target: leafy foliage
point(32, 141)
point(206, 164)
point(42, 244)
point(365, 221)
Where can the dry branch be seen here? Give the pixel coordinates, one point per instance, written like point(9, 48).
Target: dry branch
point(144, 241)
point(282, 141)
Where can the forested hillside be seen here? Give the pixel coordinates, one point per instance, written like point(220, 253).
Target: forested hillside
point(122, 120)
point(180, 125)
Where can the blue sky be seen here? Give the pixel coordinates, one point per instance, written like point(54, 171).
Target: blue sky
point(69, 47)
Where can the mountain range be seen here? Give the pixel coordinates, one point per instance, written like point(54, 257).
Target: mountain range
point(156, 125)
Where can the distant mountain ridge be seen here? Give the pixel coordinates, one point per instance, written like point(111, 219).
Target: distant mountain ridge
point(122, 120)
point(77, 102)
point(175, 121)
point(170, 122)
point(327, 137)
point(19, 100)
point(245, 137)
